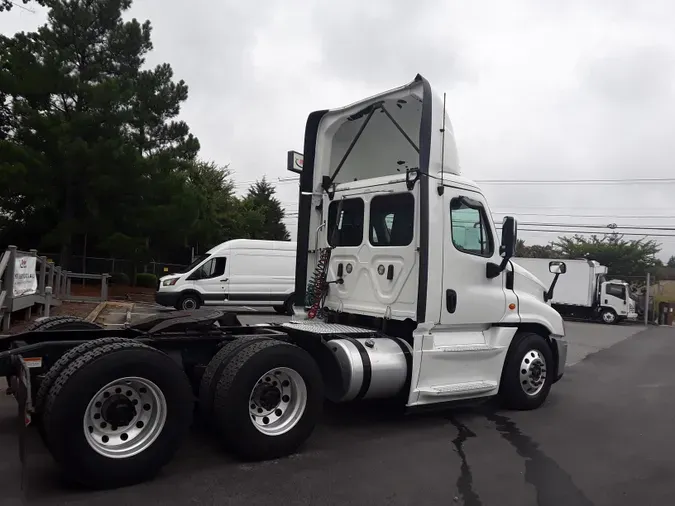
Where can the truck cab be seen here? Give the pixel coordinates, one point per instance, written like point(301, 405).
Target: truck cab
point(392, 238)
point(615, 301)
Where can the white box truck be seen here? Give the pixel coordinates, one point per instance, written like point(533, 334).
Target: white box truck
point(403, 290)
point(584, 290)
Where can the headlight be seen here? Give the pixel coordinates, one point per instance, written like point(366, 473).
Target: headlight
point(169, 282)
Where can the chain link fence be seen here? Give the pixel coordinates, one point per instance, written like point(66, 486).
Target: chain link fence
point(116, 266)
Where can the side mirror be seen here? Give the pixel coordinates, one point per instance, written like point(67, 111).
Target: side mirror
point(507, 248)
point(557, 267)
point(509, 237)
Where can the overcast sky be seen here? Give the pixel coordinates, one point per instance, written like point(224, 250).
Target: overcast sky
point(536, 89)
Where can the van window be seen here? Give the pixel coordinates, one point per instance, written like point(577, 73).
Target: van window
point(349, 231)
point(211, 269)
point(392, 220)
point(470, 232)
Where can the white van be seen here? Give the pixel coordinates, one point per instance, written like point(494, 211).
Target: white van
point(241, 272)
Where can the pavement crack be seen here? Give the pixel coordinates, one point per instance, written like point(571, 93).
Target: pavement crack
point(554, 486)
point(465, 478)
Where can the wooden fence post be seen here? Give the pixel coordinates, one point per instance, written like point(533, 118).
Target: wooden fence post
point(57, 285)
point(9, 286)
point(43, 275)
point(104, 286)
point(50, 280)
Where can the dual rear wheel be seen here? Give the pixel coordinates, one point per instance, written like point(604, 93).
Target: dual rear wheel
point(115, 411)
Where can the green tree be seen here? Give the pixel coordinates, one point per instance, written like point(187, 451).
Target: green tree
point(671, 262)
point(534, 251)
point(262, 213)
point(89, 141)
point(621, 256)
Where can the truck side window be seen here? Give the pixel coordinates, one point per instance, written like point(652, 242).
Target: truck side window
point(211, 269)
point(349, 230)
point(470, 233)
point(392, 220)
point(616, 291)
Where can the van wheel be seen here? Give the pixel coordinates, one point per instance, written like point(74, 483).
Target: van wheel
point(528, 372)
point(608, 316)
point(188, 302)
point(268, 400)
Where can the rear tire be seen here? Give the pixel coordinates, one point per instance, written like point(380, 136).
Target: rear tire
point(280, 383)
point(528, 372)
point(214, 370)
point(71, 409)
point(39, 322)
point(66, 323)
point(60, 365)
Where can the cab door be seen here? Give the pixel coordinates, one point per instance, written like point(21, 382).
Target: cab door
point(471, 299)
point(460, 355)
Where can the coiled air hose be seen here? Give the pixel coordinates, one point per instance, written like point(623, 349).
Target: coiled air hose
point(317, 286)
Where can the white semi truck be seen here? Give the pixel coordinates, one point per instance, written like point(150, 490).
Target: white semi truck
point(585, 291)
point(403, 290)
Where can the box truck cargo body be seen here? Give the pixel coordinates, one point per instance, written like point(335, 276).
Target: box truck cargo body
point(584, 290)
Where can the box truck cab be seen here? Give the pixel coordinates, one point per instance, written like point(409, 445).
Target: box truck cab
point(240, 272)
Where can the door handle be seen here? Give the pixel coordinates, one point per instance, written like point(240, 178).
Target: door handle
point(224, 280)
point(451, 300)
point(390, 272)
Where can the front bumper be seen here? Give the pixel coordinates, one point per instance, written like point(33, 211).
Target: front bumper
point(632, 316)
point(168, 299)
point(561, 346)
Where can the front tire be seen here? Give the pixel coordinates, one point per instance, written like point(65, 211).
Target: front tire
point(188, 302)
point(528, 372)
point(268, 400)
point(117, 414)
point(608, 316)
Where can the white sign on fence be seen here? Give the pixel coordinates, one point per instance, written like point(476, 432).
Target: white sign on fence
point(25, 278)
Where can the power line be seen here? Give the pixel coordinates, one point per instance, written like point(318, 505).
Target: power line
point(655, 180)
point(609, 227)
point(623, 217)
point(587, 232)
point(643, 180)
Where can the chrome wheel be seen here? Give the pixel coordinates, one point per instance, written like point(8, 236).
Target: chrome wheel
point(277, 401)
point(532, 372)
point(125, 417)
point(608, 317)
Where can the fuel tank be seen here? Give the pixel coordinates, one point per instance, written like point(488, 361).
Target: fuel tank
point(371, 368)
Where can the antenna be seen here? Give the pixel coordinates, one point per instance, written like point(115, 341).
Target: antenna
point(441, 187)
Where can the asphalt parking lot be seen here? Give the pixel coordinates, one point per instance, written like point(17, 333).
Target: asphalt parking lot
point(602, 438)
